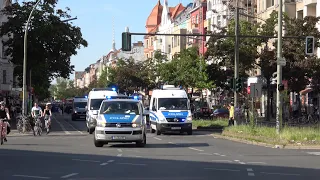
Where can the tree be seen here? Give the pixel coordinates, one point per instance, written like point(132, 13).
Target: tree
point(64, 89)
point(221, 52)
point(186, 69)
point(128, 75)
point(51, 42)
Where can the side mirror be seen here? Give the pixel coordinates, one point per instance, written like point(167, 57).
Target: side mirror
point(95, 113)
point(153, 108)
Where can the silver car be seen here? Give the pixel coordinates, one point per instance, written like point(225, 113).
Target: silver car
point(121, 120)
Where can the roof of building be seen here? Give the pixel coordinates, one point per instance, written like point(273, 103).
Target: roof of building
point(155, 16)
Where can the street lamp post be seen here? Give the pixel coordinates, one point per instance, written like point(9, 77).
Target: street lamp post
point(24, 103)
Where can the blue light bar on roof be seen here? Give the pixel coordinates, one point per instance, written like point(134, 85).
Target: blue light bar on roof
point(135, 97)
point(85, 96)
point(114, 89)
point(108, 97)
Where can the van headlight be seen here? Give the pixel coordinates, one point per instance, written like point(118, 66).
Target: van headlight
point(101, 123)
point(189, 119)
point(136, 125)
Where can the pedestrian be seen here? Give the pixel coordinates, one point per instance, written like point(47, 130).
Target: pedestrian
point(231, 114)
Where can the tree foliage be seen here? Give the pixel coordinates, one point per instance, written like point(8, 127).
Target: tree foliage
point(64, 89)
point(186, 69)
point(51, 42)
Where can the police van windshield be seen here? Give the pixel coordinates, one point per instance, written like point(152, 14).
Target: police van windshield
point(173, 104)
point(80, 105)
point(120, 107)
point(95, 104)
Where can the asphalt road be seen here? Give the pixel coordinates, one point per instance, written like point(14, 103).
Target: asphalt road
point(68, 153)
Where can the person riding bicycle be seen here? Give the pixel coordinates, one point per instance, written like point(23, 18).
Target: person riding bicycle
point(4, 115)
point(36, 112)
point(47, 116)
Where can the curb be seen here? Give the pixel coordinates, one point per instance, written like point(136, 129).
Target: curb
point(264, 144)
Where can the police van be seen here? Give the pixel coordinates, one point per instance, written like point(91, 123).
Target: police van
point(170, 110)
point(79, 108)
point(121, 119)
point(95, 97)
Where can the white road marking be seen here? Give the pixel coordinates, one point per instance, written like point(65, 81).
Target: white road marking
point(132, 164)
point(314, 153)
point(73, 127)
point(236, 160)
point(120, 150)
point(222, 155)
point(34, 177)
point(69, 175)
point(217, 154)
point(85, 160)
point(62, 127)
point(242, 163)
point(110, 161)
point(222, 161)
point(222, 169)
point(171, 143)
point(195, 149)
point(157, 138)
point(103, 164)
point(119, 155)
point(256, 163)
point(206, 154)
point(284, 174)
point(250, 172)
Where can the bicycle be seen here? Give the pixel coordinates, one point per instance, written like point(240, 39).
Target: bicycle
point(3, 129)
point(37, 126)
point(47, 123)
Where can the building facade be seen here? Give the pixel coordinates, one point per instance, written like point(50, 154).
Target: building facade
point(6, 67)
point(198, 16)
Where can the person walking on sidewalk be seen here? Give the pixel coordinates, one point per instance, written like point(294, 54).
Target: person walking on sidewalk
point(231, 114)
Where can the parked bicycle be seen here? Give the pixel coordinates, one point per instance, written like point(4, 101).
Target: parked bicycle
point(47, 123)
point(24, 124)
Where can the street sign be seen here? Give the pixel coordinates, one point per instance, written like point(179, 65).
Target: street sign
point(281, 62)
point(255, 90)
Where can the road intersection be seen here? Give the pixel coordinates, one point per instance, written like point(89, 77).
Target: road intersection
point(68, 153)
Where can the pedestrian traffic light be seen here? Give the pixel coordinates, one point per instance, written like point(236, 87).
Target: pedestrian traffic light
point(309, 45)
point(239, 85)
point(230, 83)
point(126, 41)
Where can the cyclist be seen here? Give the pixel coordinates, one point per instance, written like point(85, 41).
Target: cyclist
point(36, 112)
point(4, 115)
point(47, 117)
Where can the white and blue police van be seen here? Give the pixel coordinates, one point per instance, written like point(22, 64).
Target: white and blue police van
point(121, 119)
point(95, 97)
point(79, 108)
point(170, 110)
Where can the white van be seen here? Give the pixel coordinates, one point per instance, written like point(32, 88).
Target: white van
point(95, 97)
point(170, 110)
point(79, 108)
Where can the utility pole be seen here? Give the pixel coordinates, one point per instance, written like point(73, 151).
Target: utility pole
point(25, 45)
point(279, 69)
point(236, 55)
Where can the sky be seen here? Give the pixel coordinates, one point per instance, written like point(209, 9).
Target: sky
point(95, 18)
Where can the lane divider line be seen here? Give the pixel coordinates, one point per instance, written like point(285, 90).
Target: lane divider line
point(250, 172)
point(132, 164)
point(34, 177)
point(103, 164)
point(195, 149)
point(222, 161)
point(60, 124)
point(69, 175)
point(74, 127)
point(120, 150)
point(223, 169)
point(110, 161)
point(283, 174)
point(206, 154)
point(85, 160)
point(157, 138)
point(119, 155)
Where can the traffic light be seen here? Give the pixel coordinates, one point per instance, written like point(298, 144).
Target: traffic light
point(239, 85)
point(309, 45)
point(126, 41)
point(230, 83)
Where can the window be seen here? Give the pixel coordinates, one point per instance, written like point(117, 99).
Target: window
point(3, 55)
point(172, 42)
point(4, 77)
point(147, 56)
point(197, 19)
point(151, 55)
point(169, 48)
point(219, 21)
point(147, 45)
point(173, 104)
point(178, 41)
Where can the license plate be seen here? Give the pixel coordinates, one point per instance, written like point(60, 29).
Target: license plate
point(175, 127)
point(118, 137)
point(82, 117)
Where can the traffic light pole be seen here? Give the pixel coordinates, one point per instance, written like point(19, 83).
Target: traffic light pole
point(236, 58)
point(279, 70)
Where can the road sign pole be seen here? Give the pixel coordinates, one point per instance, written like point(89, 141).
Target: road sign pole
point(279, 69)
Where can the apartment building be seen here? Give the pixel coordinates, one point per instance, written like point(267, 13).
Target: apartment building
point(6, 67)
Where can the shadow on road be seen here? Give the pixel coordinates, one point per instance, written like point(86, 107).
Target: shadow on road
point(21, 164)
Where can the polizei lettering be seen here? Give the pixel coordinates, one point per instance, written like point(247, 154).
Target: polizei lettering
point(119, 117)
point(175, 114)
